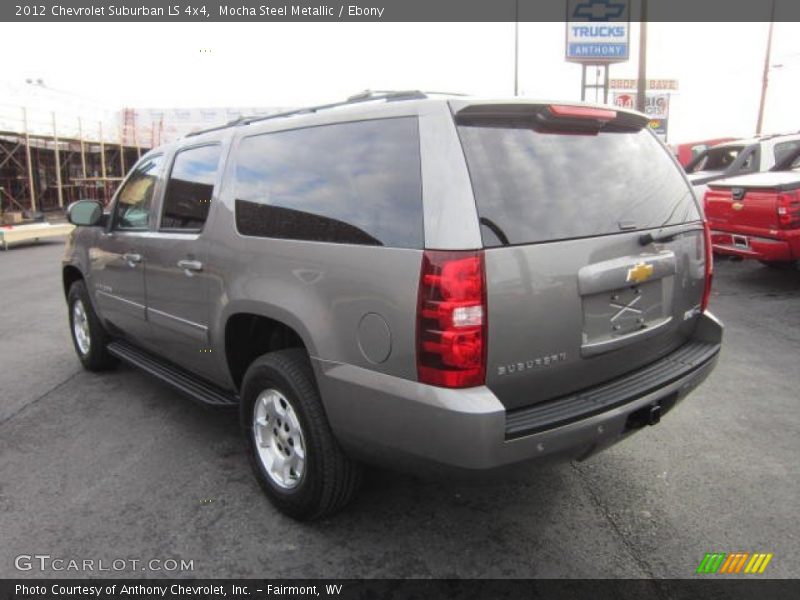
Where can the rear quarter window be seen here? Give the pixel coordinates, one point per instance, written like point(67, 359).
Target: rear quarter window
point(533, 186)
point(353, 183)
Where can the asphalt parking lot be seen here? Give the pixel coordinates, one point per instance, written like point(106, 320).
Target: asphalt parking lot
point(120, 466)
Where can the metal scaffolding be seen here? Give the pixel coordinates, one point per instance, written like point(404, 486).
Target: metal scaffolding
point(82, 150)
point(44, 170)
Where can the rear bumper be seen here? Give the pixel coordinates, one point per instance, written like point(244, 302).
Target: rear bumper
point(756, 247)
point(401, 423)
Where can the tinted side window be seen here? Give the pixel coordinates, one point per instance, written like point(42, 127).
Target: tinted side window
point(716, 159)
point(750, 162)
point(354, 183)
point(783, 149)
point(189, 189)
point(132, 210)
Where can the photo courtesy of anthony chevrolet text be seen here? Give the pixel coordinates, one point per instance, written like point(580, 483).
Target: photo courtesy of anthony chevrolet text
point(400, 299)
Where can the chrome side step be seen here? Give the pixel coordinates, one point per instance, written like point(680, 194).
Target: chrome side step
point(183, 381)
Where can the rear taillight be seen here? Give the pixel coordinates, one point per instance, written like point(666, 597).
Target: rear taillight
point(451, 319)
point(709, 266)
point(789, 210)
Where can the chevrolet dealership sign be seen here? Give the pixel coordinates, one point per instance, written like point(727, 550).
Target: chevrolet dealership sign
point(598, 31)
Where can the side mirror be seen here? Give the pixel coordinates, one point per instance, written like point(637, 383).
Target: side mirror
point(85, 212)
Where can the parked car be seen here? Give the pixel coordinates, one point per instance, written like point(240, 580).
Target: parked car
point(407, 280)
point(758, 216)
point(688, 151)
point(739, 158)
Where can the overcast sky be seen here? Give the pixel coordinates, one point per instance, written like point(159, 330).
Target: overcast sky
point(718, 66)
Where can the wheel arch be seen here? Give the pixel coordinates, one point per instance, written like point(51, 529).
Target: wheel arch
point(69, 275)
point(252, 330)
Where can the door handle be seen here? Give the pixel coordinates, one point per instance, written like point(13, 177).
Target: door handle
point(132, 259)
point(190, 267)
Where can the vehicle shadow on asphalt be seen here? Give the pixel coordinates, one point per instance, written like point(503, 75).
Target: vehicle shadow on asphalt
point(131, 467)
point(752, 279)
point(399, 524)
point(398, 495)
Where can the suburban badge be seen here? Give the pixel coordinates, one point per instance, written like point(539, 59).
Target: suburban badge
point(532, 363)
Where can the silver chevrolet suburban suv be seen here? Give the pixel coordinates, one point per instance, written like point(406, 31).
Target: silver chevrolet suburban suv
point(404, 279)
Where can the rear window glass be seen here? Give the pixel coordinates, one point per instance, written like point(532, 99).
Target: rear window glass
point(533, 186)
point(353, 183)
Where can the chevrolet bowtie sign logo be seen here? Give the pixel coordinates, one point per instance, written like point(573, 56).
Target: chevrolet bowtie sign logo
point(598, 10)
point(640, 272)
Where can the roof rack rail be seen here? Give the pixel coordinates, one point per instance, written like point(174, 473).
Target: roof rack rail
point(365, 96)
point(232, 123)
point(368, 95)
point(769, 136)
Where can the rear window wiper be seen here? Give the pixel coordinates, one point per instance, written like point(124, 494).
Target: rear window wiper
point(649, 238)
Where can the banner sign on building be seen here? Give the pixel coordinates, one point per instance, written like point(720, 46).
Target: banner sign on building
point(656, 104)
point(652, 84)
point(656, 107)
point(598, 31)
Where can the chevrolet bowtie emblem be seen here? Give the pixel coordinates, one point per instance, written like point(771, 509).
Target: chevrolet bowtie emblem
point(737, 206)
point(640, 272)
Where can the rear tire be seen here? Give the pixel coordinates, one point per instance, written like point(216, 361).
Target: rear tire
point(88, 334)
point(294, 454)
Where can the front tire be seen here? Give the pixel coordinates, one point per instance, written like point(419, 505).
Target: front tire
point(294, 455)
point(88, 335)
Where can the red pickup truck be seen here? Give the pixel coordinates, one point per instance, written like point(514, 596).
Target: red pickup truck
point(758, 215)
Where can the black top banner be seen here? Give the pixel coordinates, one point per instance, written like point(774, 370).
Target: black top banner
point(397, 10)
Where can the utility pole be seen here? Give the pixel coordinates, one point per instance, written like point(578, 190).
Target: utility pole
point(516, 48)
point(83, 148)
point(765, 78)
point(31, 182)
point(583, 82)
point(641, 87)
point(58, 163)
